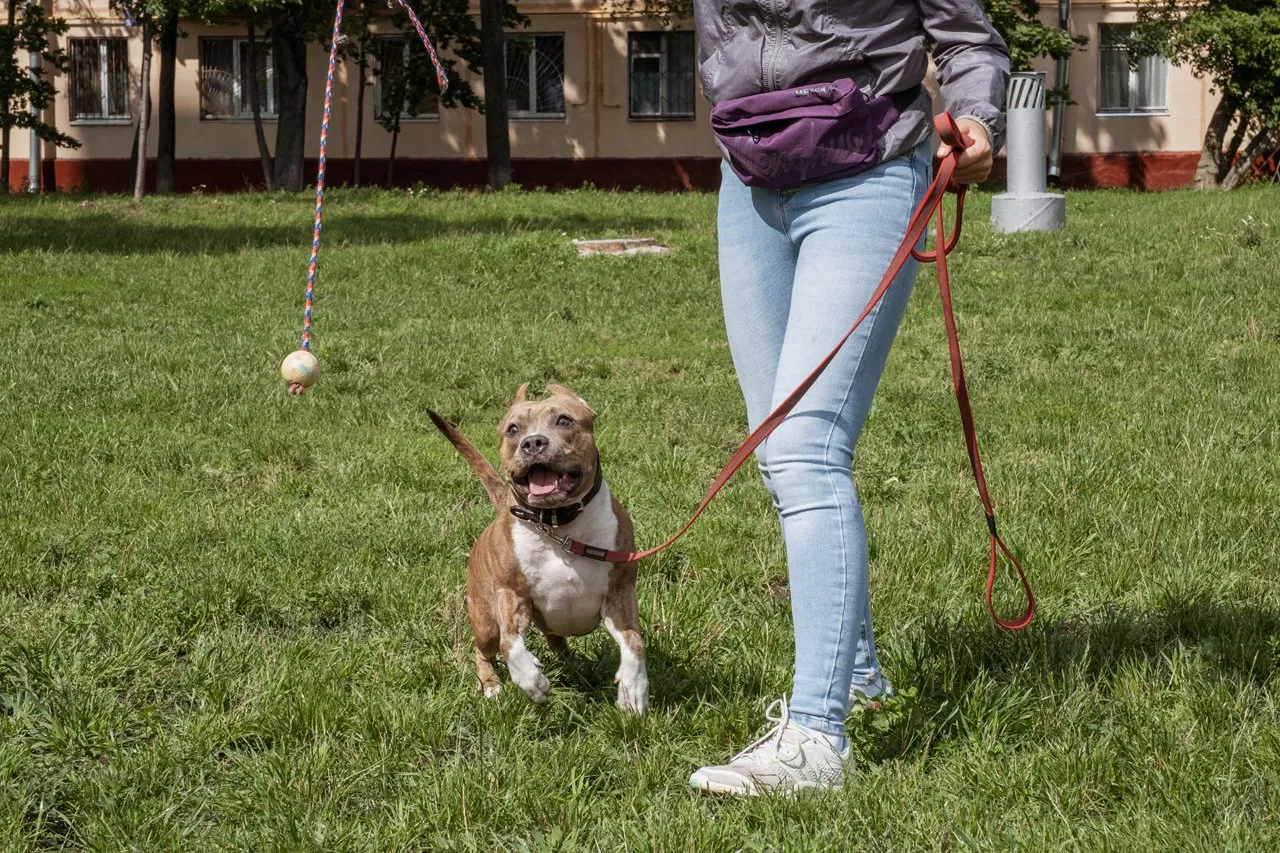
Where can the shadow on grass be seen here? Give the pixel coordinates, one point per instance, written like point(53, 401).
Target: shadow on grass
point(113, 234)
point(965, 680)
point(674, 681)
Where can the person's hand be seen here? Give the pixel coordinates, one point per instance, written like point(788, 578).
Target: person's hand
point(974, 163)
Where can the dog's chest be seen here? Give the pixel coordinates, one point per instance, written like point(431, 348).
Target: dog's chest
point(568, 591)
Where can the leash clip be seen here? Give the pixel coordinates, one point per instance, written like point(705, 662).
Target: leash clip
point(562, 541)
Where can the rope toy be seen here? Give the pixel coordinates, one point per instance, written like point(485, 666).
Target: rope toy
point(300, 369)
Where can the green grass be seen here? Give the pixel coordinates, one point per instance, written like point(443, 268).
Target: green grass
point(234, 620)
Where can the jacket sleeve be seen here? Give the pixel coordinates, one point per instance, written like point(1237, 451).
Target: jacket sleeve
point(972, 61)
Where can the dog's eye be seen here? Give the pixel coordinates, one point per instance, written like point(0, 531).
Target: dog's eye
point(512, 429)
point(564, 421)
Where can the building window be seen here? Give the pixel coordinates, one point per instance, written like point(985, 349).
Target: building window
point(535, 76)
point(662, 71)
point(1122, 89)
point(393, 56)
point(224, 79)
point(100, 79)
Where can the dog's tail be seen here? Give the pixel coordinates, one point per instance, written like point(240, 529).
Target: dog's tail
point(493, 484)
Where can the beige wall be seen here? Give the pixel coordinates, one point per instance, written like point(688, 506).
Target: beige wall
point(1087, 131)
point(596, 123)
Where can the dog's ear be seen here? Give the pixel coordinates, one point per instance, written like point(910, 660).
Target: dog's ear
point(561, 391)
point(521, 393)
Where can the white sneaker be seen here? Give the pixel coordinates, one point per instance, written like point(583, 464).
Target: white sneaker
point(789, 758)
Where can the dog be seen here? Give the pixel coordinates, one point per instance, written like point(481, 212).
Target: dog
point(518, 576)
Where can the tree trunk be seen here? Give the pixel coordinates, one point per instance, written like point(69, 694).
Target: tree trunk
point(364, 64)
point(391, 158)
point(166, 144)
point(497, 142)
point(289, 50)
point(1261, 143)
point(4, 132)
point(144, 115)
point(1210, 169)
point(255, 105)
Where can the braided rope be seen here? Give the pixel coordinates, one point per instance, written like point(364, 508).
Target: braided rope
point(441, 79)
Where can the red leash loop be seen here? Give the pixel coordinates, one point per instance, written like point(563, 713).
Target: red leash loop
point(951, 135)
point(916, 228)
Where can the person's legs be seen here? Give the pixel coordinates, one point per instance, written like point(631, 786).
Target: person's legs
point(757, 268)
point(796, 269)
point(847, 232)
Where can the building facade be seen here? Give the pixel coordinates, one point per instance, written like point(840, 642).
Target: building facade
point(593, 97)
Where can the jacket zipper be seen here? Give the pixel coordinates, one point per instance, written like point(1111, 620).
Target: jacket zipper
point(772, 53)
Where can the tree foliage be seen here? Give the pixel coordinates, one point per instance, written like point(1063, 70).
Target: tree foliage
point(1018, 22)
point(1236, 45)
point(19, 90)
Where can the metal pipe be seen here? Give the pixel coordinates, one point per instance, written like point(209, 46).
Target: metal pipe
point(33, 144)
point(1026, 206)
point(1060, 83)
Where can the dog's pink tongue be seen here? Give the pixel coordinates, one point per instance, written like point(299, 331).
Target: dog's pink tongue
point(542, 481)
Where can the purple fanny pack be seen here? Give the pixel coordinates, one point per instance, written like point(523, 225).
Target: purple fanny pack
point(796, 136)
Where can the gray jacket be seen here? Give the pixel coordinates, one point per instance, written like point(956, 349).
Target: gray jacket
point(751, 46)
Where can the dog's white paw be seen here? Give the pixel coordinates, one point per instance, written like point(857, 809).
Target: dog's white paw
point(538, 689)
point(633, 689)
point(526, 673)
point(635, 704)
point(492, 690)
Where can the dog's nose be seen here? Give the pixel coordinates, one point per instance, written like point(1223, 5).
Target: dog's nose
point(534, 443)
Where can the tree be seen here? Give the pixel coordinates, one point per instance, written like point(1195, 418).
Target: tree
point(362, 44)
point(140, 12)
point(290, 26)
point(166, 124)
point(410, 85)
point(160, 22)
point(497, 137)
point(144, 113)
point(1018, 22)
point(21, 88)
point(294, 24)
point(1236, 44)
point(255, 104)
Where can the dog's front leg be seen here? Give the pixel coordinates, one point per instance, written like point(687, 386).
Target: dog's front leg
point(623, 624)
point(514, 616)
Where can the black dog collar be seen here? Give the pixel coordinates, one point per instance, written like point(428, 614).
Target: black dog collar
point(560, 515)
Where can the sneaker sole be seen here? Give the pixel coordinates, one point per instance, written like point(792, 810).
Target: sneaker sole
point(751, 791)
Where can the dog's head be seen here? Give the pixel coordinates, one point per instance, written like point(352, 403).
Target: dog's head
point(549, 448)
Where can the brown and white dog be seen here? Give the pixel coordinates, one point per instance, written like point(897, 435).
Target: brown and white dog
point(518, 576)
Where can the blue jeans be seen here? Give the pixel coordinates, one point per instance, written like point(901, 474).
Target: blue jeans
point(796, 269)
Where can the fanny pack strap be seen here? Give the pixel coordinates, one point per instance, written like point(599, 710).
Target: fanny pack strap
point(916, 227)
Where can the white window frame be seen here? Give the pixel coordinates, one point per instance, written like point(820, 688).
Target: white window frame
point(377, 84)
point(534, 114)
point(1134, 77)
point(664, 57)
point(104, 78)
point(268, 105)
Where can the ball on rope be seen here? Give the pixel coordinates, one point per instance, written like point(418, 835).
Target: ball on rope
point(300, 369)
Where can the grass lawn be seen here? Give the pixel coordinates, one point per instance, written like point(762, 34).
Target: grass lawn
point(234, 620)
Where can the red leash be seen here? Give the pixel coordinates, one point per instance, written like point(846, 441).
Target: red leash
point(932, 201)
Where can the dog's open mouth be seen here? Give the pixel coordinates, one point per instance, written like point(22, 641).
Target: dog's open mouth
point(545, 484)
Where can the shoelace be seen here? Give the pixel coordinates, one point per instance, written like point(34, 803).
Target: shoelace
point(780, 715)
